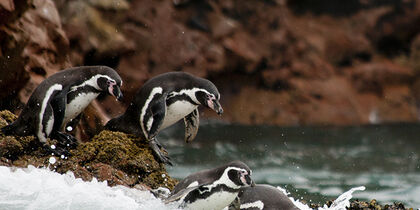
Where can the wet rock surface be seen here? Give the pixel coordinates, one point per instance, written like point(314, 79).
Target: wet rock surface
point(115, 157)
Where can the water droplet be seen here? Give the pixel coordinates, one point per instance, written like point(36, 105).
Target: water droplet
point(52, 146)
point(52, 160)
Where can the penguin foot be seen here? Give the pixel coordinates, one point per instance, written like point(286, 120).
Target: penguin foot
point(65, 140)
point(157, 148)
point(57, 150)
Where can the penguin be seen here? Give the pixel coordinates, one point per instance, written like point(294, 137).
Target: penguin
point(161, 102)
point(61, 98)
point(263, 197)
point(213, 188)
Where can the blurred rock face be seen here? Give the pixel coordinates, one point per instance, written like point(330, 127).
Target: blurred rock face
point(33, 46)
point(275, 62)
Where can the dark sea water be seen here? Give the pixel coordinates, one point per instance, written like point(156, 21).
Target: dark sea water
point(313, 163)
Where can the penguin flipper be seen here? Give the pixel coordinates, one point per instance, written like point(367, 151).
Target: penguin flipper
point(182, 193)
point(58, 104)
point(157, 113)
point(192, 122)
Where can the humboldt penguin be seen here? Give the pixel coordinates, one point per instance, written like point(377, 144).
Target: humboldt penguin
point(161, 102)
point(61, 98)
point(213, 188)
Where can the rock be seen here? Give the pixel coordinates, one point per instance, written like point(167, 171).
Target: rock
point(36, 48)
point(117, 158)
point(96, 39)
point(246, 50)
point(374, 76)
point(275, 45)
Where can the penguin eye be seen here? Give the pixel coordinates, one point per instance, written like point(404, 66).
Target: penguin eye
point(110, 82)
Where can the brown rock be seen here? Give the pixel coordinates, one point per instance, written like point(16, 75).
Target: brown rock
point(246, 49)
point(374, 76)
point(36, 48)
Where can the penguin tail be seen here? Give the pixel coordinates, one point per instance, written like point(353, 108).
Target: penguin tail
point(9, 129)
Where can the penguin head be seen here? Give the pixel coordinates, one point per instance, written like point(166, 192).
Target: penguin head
point(111, 86)
point(240, 174)
point(109, 81)
point(209, 97)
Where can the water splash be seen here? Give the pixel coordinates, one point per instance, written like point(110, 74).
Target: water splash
point(34, 188)
point(340, 203)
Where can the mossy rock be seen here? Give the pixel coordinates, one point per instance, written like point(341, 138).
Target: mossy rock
point(6, 117)
point(127, 159)
point(124, 152)
point(11, 147)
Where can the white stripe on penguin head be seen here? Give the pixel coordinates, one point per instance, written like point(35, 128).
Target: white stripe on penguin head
point(190, 93)
point(92, 82)
point(224, 180)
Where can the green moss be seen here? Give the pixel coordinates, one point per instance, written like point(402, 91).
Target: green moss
point(10, 147)
point(159, 179)
point(7, 116)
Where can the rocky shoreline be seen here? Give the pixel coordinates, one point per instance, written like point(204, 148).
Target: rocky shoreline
point(115, 157)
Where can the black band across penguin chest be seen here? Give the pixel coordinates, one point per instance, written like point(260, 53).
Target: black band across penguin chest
point(177, 107)
point(77, 100)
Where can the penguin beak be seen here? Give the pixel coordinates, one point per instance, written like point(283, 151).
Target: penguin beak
point(116, 92)
point(215, 105)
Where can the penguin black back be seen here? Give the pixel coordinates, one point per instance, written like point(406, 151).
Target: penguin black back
point(264, 197)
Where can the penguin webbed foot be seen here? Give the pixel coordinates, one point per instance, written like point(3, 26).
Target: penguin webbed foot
point(64, 143)
point(58, 150)
point(157, 148)
point(65, 140)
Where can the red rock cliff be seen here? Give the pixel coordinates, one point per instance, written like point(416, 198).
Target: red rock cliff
point(275, 62)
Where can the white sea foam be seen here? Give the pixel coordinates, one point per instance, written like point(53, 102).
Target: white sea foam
point(340, 203)
point(34, 188)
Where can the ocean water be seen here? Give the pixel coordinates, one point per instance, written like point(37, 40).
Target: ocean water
point(314, 164)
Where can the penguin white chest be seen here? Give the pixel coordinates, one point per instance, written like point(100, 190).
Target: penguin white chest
point(77, 105)
point(177, 111)
point(218, 200)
